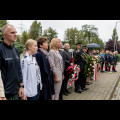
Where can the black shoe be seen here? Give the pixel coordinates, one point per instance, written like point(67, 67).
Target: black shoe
point(85, 89)
point(102, 71)
point(69, 92)
point(79, 91)
point(65, 93)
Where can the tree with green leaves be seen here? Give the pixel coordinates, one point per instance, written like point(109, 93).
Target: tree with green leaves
point(50, 33)
point(98, 41)
point(0, 33)
point(90, 35)
point(2, 23)
point(35, 30)
point(72, 35)
point(114, 35)
point(19, 46)
point(18, 38)
point(24, 37)
point(89, 32)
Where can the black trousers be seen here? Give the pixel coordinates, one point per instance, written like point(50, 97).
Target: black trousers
point(12, 97)
point(105, 66)
point(114, 67)
point(81, 82)
point(77, 84)
point(64, 83)
point(45, 94)
point(102, 66)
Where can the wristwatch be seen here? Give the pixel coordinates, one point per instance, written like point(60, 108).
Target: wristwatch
point(22, 86)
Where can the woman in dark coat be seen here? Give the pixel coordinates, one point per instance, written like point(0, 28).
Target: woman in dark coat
point(47, 77)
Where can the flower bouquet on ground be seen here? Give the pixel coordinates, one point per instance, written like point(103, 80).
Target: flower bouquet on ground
point(89, 67)
point(73, 73)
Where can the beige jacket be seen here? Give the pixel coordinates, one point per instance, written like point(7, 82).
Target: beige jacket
point(58, 63)
point(2, 94)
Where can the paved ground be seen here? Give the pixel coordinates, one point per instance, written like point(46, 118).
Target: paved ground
point(102, 89)
point(116, 93)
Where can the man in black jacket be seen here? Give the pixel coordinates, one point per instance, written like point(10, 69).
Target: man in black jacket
point(80, 84)
point(67, 57)
point(10, 64)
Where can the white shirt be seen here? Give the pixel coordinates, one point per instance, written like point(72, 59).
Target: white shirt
point(31, 75)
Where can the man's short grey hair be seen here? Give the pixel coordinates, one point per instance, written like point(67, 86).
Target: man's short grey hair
point(66, 44)
point(5, 26)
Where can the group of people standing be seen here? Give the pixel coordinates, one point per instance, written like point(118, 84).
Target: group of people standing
point(41, 73)
point(111, 61)
point(107, 60)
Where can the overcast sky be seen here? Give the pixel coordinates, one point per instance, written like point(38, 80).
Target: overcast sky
point(105, 27)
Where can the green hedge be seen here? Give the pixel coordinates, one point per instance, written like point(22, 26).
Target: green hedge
point(19, 46)
point(118, 60)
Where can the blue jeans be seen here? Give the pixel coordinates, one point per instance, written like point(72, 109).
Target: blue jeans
point(36, 97)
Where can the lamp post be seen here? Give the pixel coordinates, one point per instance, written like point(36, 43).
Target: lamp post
point(115, 41)
point(89, 35)
point(75, 38)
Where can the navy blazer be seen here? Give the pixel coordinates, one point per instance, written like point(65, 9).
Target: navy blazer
point(46, 75)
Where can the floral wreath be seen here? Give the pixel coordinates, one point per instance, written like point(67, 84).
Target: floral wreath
point(73, 72)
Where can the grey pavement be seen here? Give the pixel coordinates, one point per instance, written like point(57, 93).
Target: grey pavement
point(101, 89)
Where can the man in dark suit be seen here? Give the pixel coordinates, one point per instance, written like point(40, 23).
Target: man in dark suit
point(106, 60)
point(114, 60)
point(83, 78)
point(79, 60)
point(68, 57)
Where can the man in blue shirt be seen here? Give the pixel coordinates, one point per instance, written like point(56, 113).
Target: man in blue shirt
point(102, 60)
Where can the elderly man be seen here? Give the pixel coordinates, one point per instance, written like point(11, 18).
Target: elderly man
point(10, 64)
point(67, 57)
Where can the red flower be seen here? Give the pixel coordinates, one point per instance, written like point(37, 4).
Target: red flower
point(69, 72)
